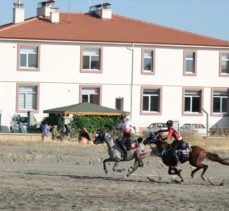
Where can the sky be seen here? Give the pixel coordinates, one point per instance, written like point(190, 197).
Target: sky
point(205, 17)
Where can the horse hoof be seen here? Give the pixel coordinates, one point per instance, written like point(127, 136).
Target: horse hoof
point(203, 178)
point(130, 169)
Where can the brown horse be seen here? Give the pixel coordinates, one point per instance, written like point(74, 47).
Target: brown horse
point(195, 157)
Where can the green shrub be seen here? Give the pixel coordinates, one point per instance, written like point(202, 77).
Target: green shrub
point(92, 123)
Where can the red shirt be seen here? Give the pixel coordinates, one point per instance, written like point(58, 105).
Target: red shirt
point(172, 133)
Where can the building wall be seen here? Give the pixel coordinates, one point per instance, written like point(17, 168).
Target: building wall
point(60, 79)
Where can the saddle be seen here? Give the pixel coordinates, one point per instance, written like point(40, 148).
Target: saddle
point(183, 153)
point(131, 144)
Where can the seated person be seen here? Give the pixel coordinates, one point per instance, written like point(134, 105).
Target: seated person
point(177, 138)
point(84, 136)
point(125, 126)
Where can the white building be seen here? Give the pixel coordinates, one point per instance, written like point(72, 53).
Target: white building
point(154, 72)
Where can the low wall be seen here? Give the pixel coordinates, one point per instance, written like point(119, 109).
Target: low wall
point(219, 131)
point(20, 137)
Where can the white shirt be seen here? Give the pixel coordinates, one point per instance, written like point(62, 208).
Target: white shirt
point(124, 125)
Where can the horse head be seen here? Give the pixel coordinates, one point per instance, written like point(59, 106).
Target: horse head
point(157, 140)
point(151, 139)
point(102, 136)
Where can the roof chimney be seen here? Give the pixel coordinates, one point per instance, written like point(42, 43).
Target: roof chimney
point(101, 10)
point(55, 15)
point(18, 12)
point(44, 8)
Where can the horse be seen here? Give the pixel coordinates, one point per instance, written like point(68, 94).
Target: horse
point(195, 156)
point(138, 152)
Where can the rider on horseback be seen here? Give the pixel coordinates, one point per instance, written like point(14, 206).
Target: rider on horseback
point(178, 140)
point(125, 125)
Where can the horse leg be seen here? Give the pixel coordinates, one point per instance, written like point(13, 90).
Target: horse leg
point(104, 164)
point(198, 167)
point(133, 168)
point(173, 170)
point(115, 167)
point(197, 163)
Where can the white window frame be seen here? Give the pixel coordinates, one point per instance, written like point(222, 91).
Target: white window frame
point(152, 59)
point(88, 51)
point(196, 94)
point(29, 97)
point(224, 60)
point(27, 47)
point(154, 94)
point(222, 95)
point(89, 91)
point(186, 59)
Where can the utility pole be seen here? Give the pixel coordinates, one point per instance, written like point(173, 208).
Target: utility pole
point(206, 120)
point(132, 80)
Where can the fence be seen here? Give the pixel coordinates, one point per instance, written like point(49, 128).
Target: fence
point(219, 131)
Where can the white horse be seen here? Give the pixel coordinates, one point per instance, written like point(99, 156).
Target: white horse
point(139, 152)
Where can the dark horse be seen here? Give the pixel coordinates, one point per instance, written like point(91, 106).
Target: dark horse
point(195, 157)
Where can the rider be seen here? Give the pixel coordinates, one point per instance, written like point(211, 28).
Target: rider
point(125, 125)
point(178, 140)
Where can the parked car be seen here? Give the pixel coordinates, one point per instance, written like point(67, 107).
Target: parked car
point(193, 128)
point(155, 126)
point(18, 124)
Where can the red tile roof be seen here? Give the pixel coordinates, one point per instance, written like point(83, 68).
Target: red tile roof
point(84, 27)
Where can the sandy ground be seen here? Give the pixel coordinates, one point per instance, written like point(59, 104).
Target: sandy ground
point(47, 176)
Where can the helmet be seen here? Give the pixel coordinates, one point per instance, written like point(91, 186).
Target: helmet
point(127, 132)
point(122, 116)
point(169, 123)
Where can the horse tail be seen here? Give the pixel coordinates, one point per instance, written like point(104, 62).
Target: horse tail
point(217, 158)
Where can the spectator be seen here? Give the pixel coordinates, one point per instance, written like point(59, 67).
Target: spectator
point(84, 136)
point(54, 132)
point(45, 130)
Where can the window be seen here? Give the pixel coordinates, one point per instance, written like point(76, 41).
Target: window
point(91, 60)
point(28, 57)
point(147, 61)
point(220, 101)
point(189, 62)
point(91, 95)
point(27, 96)
point(224, 63)
point(192, 101)
point(119, 103)
point(151, 100)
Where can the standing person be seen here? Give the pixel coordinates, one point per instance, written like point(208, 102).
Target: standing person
point(125, 126)
point(45, 130)
point(54, 132)
point(67, 131)
point(178, 140)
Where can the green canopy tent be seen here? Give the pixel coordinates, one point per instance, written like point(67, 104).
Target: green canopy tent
point(85, 109)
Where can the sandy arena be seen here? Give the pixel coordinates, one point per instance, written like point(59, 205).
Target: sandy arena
point(67, 176)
